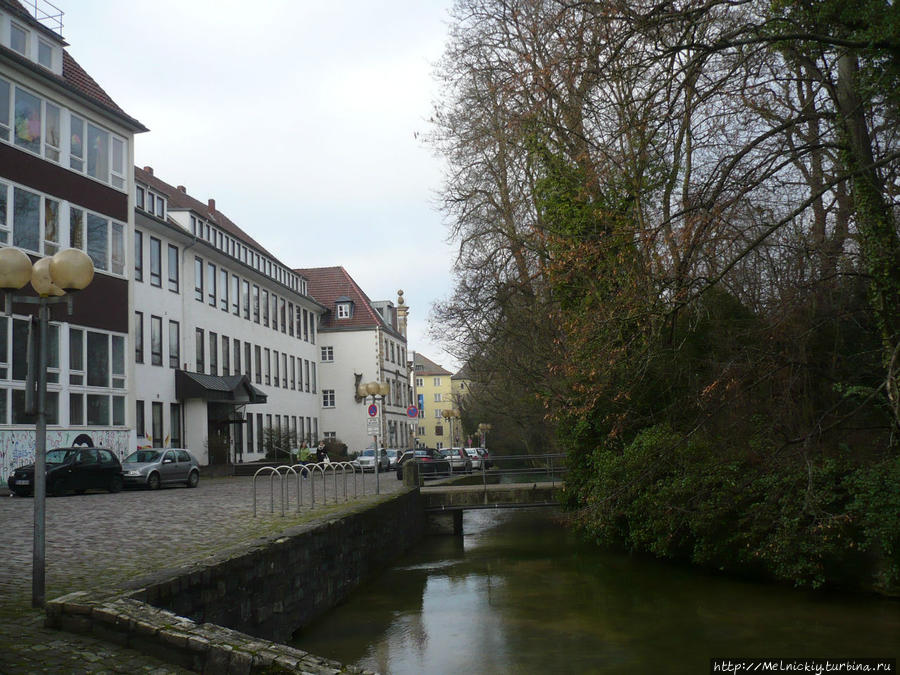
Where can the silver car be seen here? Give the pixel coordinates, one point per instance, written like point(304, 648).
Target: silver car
point(155, 467)
point(366, 460)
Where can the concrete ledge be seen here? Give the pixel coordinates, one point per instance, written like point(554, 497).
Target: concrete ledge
point(206, 648)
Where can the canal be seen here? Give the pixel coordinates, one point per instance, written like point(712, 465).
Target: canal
point(518, 594)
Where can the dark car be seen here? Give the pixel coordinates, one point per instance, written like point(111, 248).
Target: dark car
point(71, 470)
point(431, 463)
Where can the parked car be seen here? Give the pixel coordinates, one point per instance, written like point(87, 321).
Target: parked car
point(431, 463)
point(475, 458)
point(75, 470)
point(366, 460)
point(394, 455)
point(155, 467)
point(459, 460)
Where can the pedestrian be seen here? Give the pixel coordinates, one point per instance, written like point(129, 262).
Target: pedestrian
point(321, 455)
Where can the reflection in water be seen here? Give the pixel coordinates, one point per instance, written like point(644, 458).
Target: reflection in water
point(518, 594)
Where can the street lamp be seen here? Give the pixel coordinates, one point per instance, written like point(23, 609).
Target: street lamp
point(484, 427)
point(450, 414)
point(52, 278)
point(373, 389)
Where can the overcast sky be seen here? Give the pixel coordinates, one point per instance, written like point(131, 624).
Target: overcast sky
point(298, 117)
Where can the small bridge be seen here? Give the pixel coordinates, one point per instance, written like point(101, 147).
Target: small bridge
point(444, 504)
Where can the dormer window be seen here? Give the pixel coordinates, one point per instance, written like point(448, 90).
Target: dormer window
point(344, 307)
point(18, 39)
point(45, 54)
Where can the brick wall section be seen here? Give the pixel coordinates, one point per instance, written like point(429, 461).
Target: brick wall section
point(229, 612)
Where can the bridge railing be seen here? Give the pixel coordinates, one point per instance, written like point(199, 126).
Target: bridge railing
point(548, 467)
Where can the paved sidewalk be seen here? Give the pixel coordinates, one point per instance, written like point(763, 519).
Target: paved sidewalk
point(99, 541)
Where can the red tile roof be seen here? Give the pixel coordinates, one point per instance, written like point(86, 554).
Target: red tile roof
point(181, 200)
point(428, 367)
point(327, 284)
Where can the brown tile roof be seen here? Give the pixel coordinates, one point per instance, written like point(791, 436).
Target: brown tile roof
point(327, 284)
point(74, 77)
point(429, 367)
point(181, 200)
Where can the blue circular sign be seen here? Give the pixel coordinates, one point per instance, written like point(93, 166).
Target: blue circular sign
point(373, 410)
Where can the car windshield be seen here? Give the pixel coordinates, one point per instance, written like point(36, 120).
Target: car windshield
point(368, 452)
point(59, 456)
point(143, 456)
point(422, 453)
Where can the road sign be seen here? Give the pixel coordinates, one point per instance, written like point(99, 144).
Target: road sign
point(372, 426)
point(412, 411)
point(373, 410)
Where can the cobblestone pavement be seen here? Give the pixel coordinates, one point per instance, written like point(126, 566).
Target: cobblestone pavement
point(100, 540)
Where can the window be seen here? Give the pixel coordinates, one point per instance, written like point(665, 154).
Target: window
point(18, 39)
point(156, 340)
point(328, 398)
point(247, 366)
point(420, 381)
point(235, 295)
point(306, 366)
point(139, 337)
point(257, 364)
point(437, 382)
point(175, 426)
point(213, 353)
point(138, 256)
point(226, 353)
point(259, 432)
point(267, 363)
point(255, 303)
point(282, 310)
point(305, 326)
point(45, 54)
point(293, 373)
point(139, 428)
point(437, 413)
point(139, 198)
point(437, 398)
point(265, 308)
point(223, 289)
point(284, 373)
point(237, 357)
point(174, 344)
point(155, 261)
point(198, 279)
point(276, 379)
point(157, 424)
point(245, 298)
point(291, 319)
point(343, 310)
point(97, 359)
point(274, 312)
point(211, 284)
point(173, 268)
point(327, 354)
point(199, 346)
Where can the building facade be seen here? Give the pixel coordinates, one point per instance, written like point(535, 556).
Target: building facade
point(360, 341)
point(66, 181)
point(433, 391)
point(225, 345)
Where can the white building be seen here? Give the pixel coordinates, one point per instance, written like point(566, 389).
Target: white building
point(66, 152)
point(360, 341)
point(225, 335)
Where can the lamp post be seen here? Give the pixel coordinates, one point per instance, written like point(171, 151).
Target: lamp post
point(374, 389)
point(450, 414)
point(52, 278)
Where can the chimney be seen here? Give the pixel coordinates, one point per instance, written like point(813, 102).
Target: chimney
point(149, 169)
point(181, 188)
point(212, 205)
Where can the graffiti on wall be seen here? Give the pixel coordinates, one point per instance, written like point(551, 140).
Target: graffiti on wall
point(17, 445)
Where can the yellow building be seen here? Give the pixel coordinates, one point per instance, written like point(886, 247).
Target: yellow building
point(433, 392)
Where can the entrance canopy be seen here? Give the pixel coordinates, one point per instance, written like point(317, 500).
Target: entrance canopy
point(234, 389)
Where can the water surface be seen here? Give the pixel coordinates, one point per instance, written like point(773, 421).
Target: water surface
point(518, 594)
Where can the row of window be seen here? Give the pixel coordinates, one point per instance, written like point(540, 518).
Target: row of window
point(38, 223)
point(84, 409)
point(155, 432)
point(393, 355)
point(211, 285)
point(420, 382)
point(239, 251)
point(147, 200)
point(48, 130)
point(30, 45)
point(269, 366)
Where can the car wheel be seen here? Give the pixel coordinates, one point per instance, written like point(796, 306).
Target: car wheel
point(115, 484)
point(193, 479)
point(57, 489)
point(153, 481)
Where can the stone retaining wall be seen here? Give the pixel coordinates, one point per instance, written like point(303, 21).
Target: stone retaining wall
point(203, 616)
